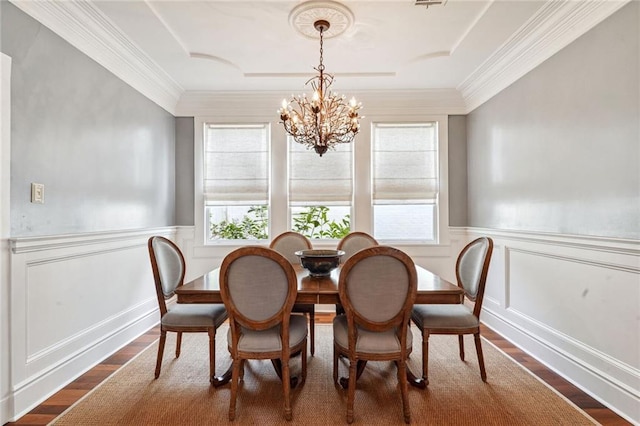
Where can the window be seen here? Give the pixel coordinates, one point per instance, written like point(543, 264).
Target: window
point(320, 191)
point(236, 182)
point(256, 182)
point(405, 181)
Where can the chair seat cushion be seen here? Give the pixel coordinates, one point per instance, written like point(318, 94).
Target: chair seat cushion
point(444, 316)
point(194, 315)
point(368, 341)
point(269, 340)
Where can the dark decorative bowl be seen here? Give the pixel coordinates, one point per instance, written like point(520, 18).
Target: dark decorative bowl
point(320, 263)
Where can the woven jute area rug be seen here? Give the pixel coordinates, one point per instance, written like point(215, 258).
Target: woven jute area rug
point(455, 396)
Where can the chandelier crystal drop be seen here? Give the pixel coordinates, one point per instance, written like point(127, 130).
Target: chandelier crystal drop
point(325, 119)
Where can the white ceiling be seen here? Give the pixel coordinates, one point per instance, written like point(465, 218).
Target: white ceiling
point(414, 47)
point(168, 48)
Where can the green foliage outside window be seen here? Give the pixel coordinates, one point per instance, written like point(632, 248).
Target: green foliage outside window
point(253, 226)
point(313, 222)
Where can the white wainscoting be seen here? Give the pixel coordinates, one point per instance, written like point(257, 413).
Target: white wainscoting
point(75, 299)
point(573, 303)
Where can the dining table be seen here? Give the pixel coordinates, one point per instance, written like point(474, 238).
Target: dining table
point(432, 289)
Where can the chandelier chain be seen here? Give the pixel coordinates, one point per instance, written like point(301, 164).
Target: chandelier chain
point(321, 66)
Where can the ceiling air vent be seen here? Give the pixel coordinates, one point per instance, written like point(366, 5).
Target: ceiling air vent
point(428, 3)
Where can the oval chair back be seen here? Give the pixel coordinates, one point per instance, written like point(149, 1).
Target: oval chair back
point(472, 267)
point(354, 242)
point(168, 265)
point(287, 244)
point(259, 287)
point(377, 288)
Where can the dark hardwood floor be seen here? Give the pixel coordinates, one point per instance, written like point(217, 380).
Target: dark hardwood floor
point(54, 406)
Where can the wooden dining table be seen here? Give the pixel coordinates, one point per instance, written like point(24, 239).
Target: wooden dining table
point(432, 289)
point(322, 290)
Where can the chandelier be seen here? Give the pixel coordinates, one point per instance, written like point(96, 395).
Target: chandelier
point(325, 119)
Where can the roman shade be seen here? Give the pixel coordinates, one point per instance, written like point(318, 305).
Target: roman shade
point(236, 164)
point(320, 180)
point(404, 163)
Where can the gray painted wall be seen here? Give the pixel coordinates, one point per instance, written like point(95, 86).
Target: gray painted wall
point(105, 153)
point(559, 150)
point(458, 170)
point(185, 189)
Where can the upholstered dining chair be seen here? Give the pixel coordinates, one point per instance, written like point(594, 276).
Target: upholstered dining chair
point(377, 288)
point(258, 287)
point(287, 244)
point(168, 265)
point(354, 242)
point(351, 244)
point(472, 266)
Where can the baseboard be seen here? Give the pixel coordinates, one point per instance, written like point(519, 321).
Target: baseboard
point(27, 396)
point(614, 395)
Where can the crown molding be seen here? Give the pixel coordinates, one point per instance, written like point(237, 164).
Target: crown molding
point(556, 24)
point(82, 25)
point(381, 102)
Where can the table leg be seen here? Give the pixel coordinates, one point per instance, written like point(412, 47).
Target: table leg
point(225, 378)
point(218, 381)
point(344, 381)
point(413, 380)
point(277, 366)
point(418, 382)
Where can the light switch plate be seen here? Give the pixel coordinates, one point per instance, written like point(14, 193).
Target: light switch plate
point(37, 193)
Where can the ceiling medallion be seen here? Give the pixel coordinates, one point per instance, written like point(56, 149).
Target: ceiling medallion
point(304, 16)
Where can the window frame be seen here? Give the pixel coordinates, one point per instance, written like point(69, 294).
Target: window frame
point(347, 203)
point(361, 206)
point(264, 127)
point(200, 205)
point(435, 202)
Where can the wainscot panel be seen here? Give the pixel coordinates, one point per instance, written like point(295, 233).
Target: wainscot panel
point(573, 303)
point(75, 299)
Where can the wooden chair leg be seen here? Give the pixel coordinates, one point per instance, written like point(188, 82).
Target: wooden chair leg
point(286, 388)
point(163, 339)
point(178, 344)
point(312, 329)
point(404, 389)
point(461, 345)
point(351, 392)
point(304, 363)
point(483, 373)
point(335, 364)
point(212, 352)
point(425, 356)
point(234, 388)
